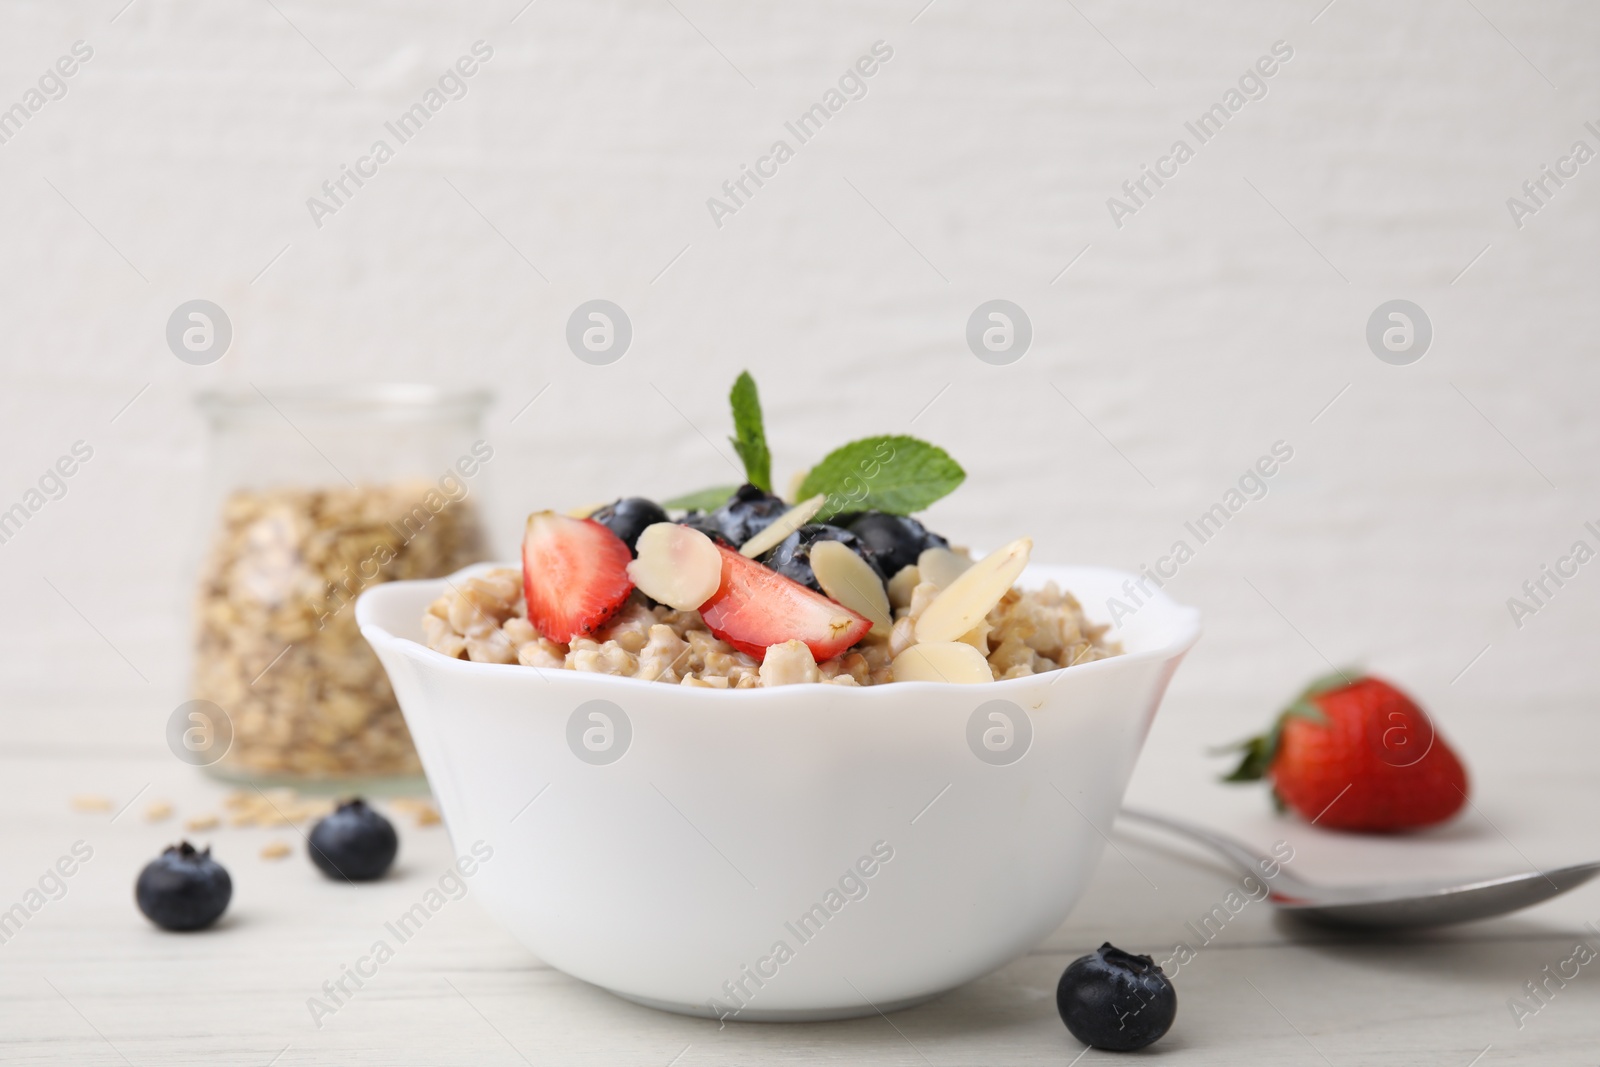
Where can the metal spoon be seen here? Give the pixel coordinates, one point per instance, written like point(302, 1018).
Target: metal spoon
point(1393, 906)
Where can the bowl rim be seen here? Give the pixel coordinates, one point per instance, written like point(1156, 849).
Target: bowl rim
point(1187, 617)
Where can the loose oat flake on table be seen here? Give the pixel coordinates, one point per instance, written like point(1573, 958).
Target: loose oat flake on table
point(744, 589)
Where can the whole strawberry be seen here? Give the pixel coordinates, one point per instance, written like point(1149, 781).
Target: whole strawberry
point(1355, 753)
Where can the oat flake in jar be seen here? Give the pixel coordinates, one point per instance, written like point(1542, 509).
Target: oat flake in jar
point(314, 496)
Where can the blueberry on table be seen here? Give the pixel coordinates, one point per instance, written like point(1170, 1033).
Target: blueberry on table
point(183, 889)
point(1114, 1000)
point(895, 540)
point(628, 517)
point(792, 556)
point(355, 843)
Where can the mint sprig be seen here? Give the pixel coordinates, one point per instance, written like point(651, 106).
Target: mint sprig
point(894, 473)
point(749, 434)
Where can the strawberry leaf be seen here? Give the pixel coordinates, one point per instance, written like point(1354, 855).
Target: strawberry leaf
point(704, 500)
point(1253, 765)
point(1327, 683)
point(893, 473)
point(1304, 709)
point(1259, 752)
point(749, 432)
point(1305, 705)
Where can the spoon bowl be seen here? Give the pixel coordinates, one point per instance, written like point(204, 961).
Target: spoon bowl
point(1384, 906)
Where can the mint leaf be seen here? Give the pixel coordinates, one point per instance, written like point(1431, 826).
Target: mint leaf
point(704, 500)
point(892, 473)
point(749, 435)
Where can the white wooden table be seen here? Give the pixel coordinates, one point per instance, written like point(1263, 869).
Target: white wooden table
point(87, 981)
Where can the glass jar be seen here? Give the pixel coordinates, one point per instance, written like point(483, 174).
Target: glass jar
point(314, 496)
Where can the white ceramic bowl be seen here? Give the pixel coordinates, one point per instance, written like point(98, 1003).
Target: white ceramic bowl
point(803, 852)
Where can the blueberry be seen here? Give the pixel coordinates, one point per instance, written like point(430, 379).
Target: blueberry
point(182, 889)
point(708, 525)
point(895, 540)
point(628, 517)
point(747, 512)
point(1114, 1000)
point(792, 556)
point(354, 842)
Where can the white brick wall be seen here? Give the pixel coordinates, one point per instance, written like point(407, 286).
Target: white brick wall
point(1202, 331)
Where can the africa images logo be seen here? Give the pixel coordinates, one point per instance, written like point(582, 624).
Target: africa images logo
point(599, 732)
point(999, 732)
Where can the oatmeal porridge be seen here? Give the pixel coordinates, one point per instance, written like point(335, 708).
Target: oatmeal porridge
point(485, 620)
point(739, 588)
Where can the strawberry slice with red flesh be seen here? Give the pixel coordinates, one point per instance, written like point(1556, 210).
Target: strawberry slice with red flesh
point(755, 607)
point(574, 574)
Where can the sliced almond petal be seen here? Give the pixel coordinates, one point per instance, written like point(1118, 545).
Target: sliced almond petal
point(942, 661)
point(942, 566)
point(970, 596)
point(850, 580)
point(583, 511)
point(902, 583)
point(783, 526)
point(978, 637)
point(677, 565)
point(796, 480)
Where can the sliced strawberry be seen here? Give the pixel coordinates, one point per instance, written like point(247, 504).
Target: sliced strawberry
point(574, 574)
point(755, 606)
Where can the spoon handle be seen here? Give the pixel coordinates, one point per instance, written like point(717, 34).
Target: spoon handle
point(1242, 856)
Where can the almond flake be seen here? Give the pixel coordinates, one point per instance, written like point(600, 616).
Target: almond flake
point(942, 661)
point(967, 599)
point(796, 480)
point(942, 566)
point(783, 526)
point(901, 585)
point(677, 565)
point(275, 850)
point(850, 580)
